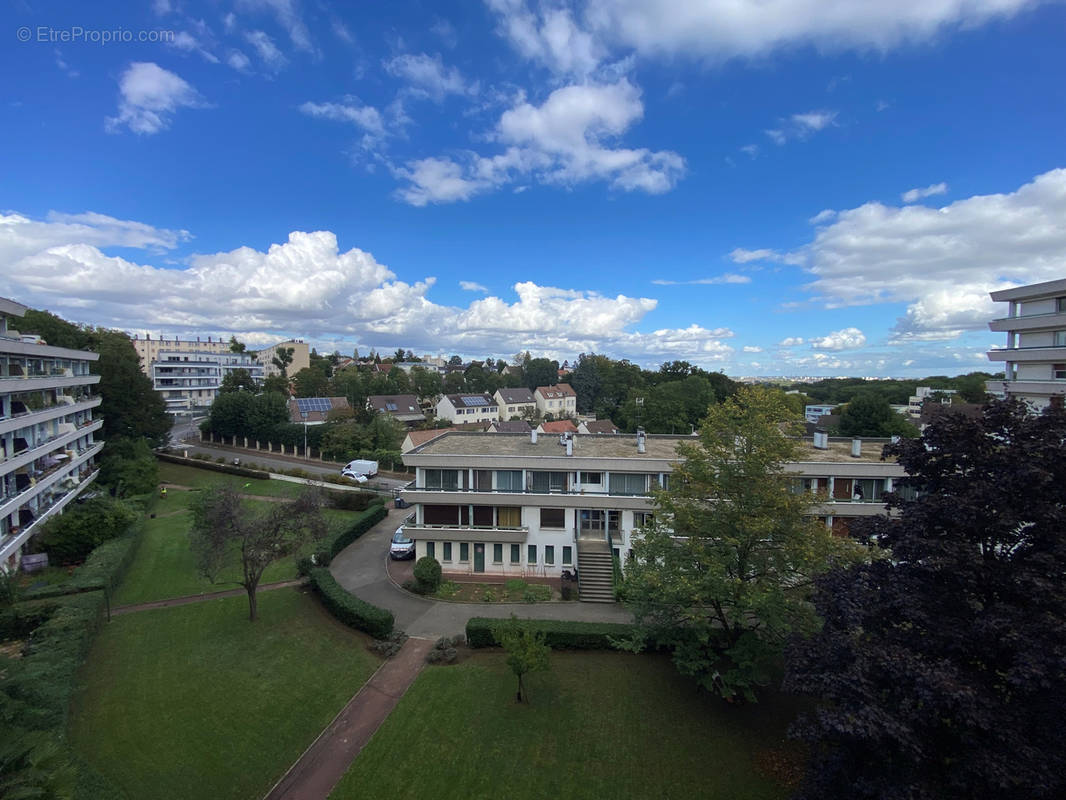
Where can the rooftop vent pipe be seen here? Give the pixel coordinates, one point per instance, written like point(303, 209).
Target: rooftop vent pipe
point(640, 440)
point(533, 436)
point(821, 440)
point(569, 445)
point(856, 448)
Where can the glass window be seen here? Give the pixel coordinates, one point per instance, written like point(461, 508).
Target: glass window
point(497, 554)
point(447, 551)
point(442, 478)
point(509, 480)
point(568, 555)
point(464, 551)
point(592, 479)
point(531, 554)
point(1058, 372)
point(509, 517)
point(549, 554)
point(552, 518)
point(483, 480)
point(1060, 338)
point(516, 553)
point(1060, 303)
point(545, 482)
point(642, 518)
point(628, 483)
point(431, 549)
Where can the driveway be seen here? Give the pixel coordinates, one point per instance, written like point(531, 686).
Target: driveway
point(360, 568)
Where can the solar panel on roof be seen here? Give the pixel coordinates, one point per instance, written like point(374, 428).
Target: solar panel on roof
point(308, 404)
point(390, 406)
point(475, 401)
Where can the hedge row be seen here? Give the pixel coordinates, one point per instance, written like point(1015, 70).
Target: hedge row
point(558, 634)
point(348, 608)
point(328, 548)
point(229, 469)
point(20, 620)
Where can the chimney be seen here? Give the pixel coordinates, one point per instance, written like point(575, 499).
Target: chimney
point(895, 439)
point(533, 436)
point(640, 440)
point(569, 445)
point(821, 440)
point(856, 448)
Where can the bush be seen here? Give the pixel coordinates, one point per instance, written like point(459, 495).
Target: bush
point(107, 563)
point(329, 547)
point(21, 620)
point(514, 585)
point(71, 536)
point(204, 462)
point(350, 501)
point(428, 574)
point(350, 609)
point(558, 634)
point(414, 587)
point(444, 651)
point(390, 646)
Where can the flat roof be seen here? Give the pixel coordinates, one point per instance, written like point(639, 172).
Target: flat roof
point(621, 445)
point(1032, 291)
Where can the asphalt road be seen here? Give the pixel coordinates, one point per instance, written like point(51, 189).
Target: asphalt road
point(184, 437)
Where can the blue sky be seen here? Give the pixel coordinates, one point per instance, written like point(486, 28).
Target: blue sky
point(789, 187)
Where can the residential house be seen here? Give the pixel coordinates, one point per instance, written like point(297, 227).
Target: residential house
point(923, 393)
point(557, 427)
point(1035, 356)
point(510, 426)
point(559, 400)
point(314, 410)
point(468, 408)
point(512, 505)
point(402, 407)
point(415, 439)
point(597, 426)
point(813, 412)
point(517, 402)
point(47, 448)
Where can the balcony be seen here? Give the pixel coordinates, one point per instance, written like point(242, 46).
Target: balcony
point(467, 533)
point(21, 459)
point(13, 541)
point(31, 383)
point(1050, 353)
point(24, 419)
point(1031, 322)
point(45, 480)
point(556, 499)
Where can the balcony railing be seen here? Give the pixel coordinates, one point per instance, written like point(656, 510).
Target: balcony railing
point(570, 492)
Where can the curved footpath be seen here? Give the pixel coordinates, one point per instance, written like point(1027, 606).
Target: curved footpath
point(361, 569)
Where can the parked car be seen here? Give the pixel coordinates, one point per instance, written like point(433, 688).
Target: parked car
point(360, 467)
point(402, 546)
point(353, 475)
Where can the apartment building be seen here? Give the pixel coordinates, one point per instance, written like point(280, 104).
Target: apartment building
point(301, 357)
point(468, 408)
point(189, 381)
point(559, 400)
point(1034, 358)
point(47, 451)
point(534, 505)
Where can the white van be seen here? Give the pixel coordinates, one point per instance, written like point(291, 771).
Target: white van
point(360, 470)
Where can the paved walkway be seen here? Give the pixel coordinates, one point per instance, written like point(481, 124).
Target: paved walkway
point(324, 763)
point(361, 569)
point(199, 598)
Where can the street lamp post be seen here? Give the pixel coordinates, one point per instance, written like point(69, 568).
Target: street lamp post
point(304, 415)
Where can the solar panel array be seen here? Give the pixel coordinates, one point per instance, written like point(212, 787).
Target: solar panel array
point(309, 404)
point(475, 400)
point(390, 406)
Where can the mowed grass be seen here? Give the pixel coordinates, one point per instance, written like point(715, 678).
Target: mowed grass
point(197, 702)
point(165, 567)
point(183, 475)
point(599, 725)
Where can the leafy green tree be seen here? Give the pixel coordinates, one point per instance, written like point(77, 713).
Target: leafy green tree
point(228, 531)
point(869, 414)
point(310, 382)
point(425, 383)
point(282, 359)
point(130, 407)
point(238, 380)
point(385, 432)
point(128, 467)
point(942, 669)
point(276, 384)
point(454, 383)
point(70, 537)
point(229, 414)
point(235, 346)
point(398, 356)
point(723, 577)
point(55, 330)
point(540, 372)
point(526, 651)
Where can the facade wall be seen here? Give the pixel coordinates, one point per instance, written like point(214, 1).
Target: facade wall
point(192, 380)
point(47, 444)
point(148, 350)
point(301, 357)
point(1034, 361)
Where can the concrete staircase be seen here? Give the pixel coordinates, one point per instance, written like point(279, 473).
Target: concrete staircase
point(597, 574)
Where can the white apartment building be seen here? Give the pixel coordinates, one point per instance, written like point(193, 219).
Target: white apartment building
point(189, 381)
point(47, 451)
point(559, 400)
point(301, 357)
point(148, 349)
point(1034, 359)
point(517, 505)
point(467, 408)
point(923, 393)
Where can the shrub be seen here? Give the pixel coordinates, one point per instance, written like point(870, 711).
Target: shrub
point(350, 609)
point(558, 634)
point(21, 620)
point(390, 646)
point(414, 586)
point(329, 547)
point(221, 466)
point(428, 574)
point(107, 563)
point(515, 585)
point(349, 501)
point(444, 651)
point(71, 536)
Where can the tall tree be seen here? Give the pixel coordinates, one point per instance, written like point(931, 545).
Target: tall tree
point(237, 380)
point(130, 406)
point(282, 359)
point(526, 651)
point(541, 372)
point(943, 668)
point(310, 382)
point(227, 531)
point(724, 574)
point(236, 346)
point(869, 414)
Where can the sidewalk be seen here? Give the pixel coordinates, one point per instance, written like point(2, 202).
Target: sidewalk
point(324, 763)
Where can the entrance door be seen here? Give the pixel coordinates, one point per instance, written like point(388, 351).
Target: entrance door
point(479, 557)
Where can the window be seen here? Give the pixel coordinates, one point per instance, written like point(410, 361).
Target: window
point(546, 482)
point(1058, 372)
point(1060, 338)
point(497, 554)
point(628, 483)
point(464, 551)
point(431, 549)
point(442, 478)
point(642, 518)
point(552, 518)
point(568, 555)
point(1060, 304)
point(483, 480)
point(592, 479)
point(447, 551)
point(531, 554)
point(509, 480)
point(509, 517)
point(549, 554)
point(516, 553)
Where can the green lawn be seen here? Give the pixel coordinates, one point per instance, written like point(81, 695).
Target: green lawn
point(165, 567)
point(191, 476)
point(600, 725)
point(197, 702)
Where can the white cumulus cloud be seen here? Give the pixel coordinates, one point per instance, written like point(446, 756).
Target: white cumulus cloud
point(428, 77)
point(846, 339)
point(148, 98)
point(914, 195)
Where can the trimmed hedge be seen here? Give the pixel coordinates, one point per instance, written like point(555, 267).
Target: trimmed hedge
point(558, 634)
point(329, 547)
point(19, 620)
point(227, 468)
point(348, 608)
point(104, 567)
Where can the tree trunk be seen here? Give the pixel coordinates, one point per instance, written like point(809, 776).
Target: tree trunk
point(253, 608)
point(521, 693)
